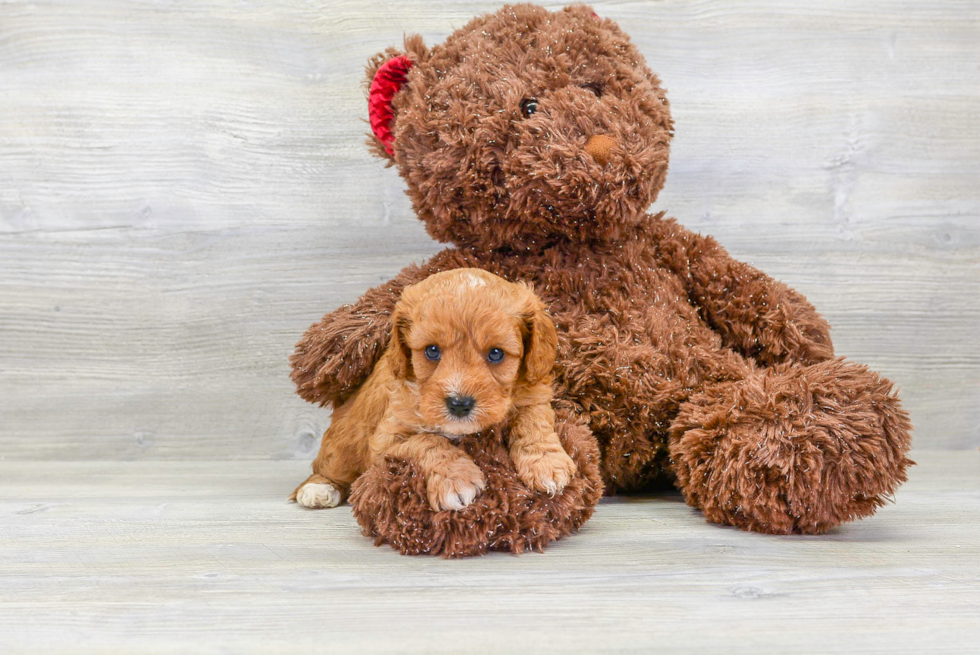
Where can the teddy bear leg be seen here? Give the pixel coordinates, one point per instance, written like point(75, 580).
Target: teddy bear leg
point(792, 448)
point(390, 500)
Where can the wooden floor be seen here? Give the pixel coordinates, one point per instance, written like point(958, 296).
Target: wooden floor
point(208, 557)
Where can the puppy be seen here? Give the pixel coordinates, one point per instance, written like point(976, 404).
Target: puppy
point(468, 350)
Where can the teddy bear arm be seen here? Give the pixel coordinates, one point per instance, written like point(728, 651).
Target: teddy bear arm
point(760, 317)
point(336, 355)
point(756, 315)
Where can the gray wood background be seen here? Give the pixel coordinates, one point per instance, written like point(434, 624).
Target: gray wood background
point(184, 189)
point(207, 557)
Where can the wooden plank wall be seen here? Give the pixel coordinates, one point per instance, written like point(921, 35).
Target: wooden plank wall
point(184, 189)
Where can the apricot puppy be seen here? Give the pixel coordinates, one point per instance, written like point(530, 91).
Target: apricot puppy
point(468, 351)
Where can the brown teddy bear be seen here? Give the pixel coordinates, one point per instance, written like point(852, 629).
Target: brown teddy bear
point(534, 142)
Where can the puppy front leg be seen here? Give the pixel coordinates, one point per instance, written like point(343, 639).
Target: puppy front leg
point(541, 462)
point(452, 479)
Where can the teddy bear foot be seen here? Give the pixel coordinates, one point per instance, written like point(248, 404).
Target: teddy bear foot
point(792, 449)
point(389, 501)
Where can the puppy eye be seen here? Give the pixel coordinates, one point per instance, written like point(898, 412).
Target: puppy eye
point(594, 88)
point(495, 356)
point(529, 106)
point(432, 353)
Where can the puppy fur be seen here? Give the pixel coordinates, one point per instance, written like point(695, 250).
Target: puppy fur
point(403, 410)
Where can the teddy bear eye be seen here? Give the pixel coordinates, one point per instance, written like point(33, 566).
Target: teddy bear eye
point(495, 356)
point(594, 88)
point(432, 353)
point(529, 106)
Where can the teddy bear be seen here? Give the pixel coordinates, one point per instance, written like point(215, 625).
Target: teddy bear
point(533, 143)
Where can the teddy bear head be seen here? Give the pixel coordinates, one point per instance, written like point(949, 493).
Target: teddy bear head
point(525, 127)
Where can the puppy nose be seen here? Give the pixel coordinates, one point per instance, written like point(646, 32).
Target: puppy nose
point(600, 147)
point(460, 406)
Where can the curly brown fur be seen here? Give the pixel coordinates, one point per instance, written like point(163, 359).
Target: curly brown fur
point(336, 355)
point(482, 173)
point(389, 501)
point(657, 326)
point(784, 449)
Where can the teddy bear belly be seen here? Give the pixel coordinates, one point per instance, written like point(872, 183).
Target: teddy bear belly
point(629, 373)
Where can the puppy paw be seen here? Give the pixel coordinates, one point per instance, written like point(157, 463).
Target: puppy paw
point(454, 485)
point(548, 471)
point(315, 495)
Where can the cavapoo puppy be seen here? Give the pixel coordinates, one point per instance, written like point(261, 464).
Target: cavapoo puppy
point(468, 350)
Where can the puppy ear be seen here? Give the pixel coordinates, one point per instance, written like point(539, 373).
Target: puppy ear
point(387, 73)
point(400, 354)
point(541, 342)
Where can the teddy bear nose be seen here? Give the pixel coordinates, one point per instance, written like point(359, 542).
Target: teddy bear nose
point(600, 147)
point(460, 406)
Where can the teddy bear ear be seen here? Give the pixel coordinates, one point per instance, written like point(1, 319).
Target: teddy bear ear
point(388, 80)
point(387, 73)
